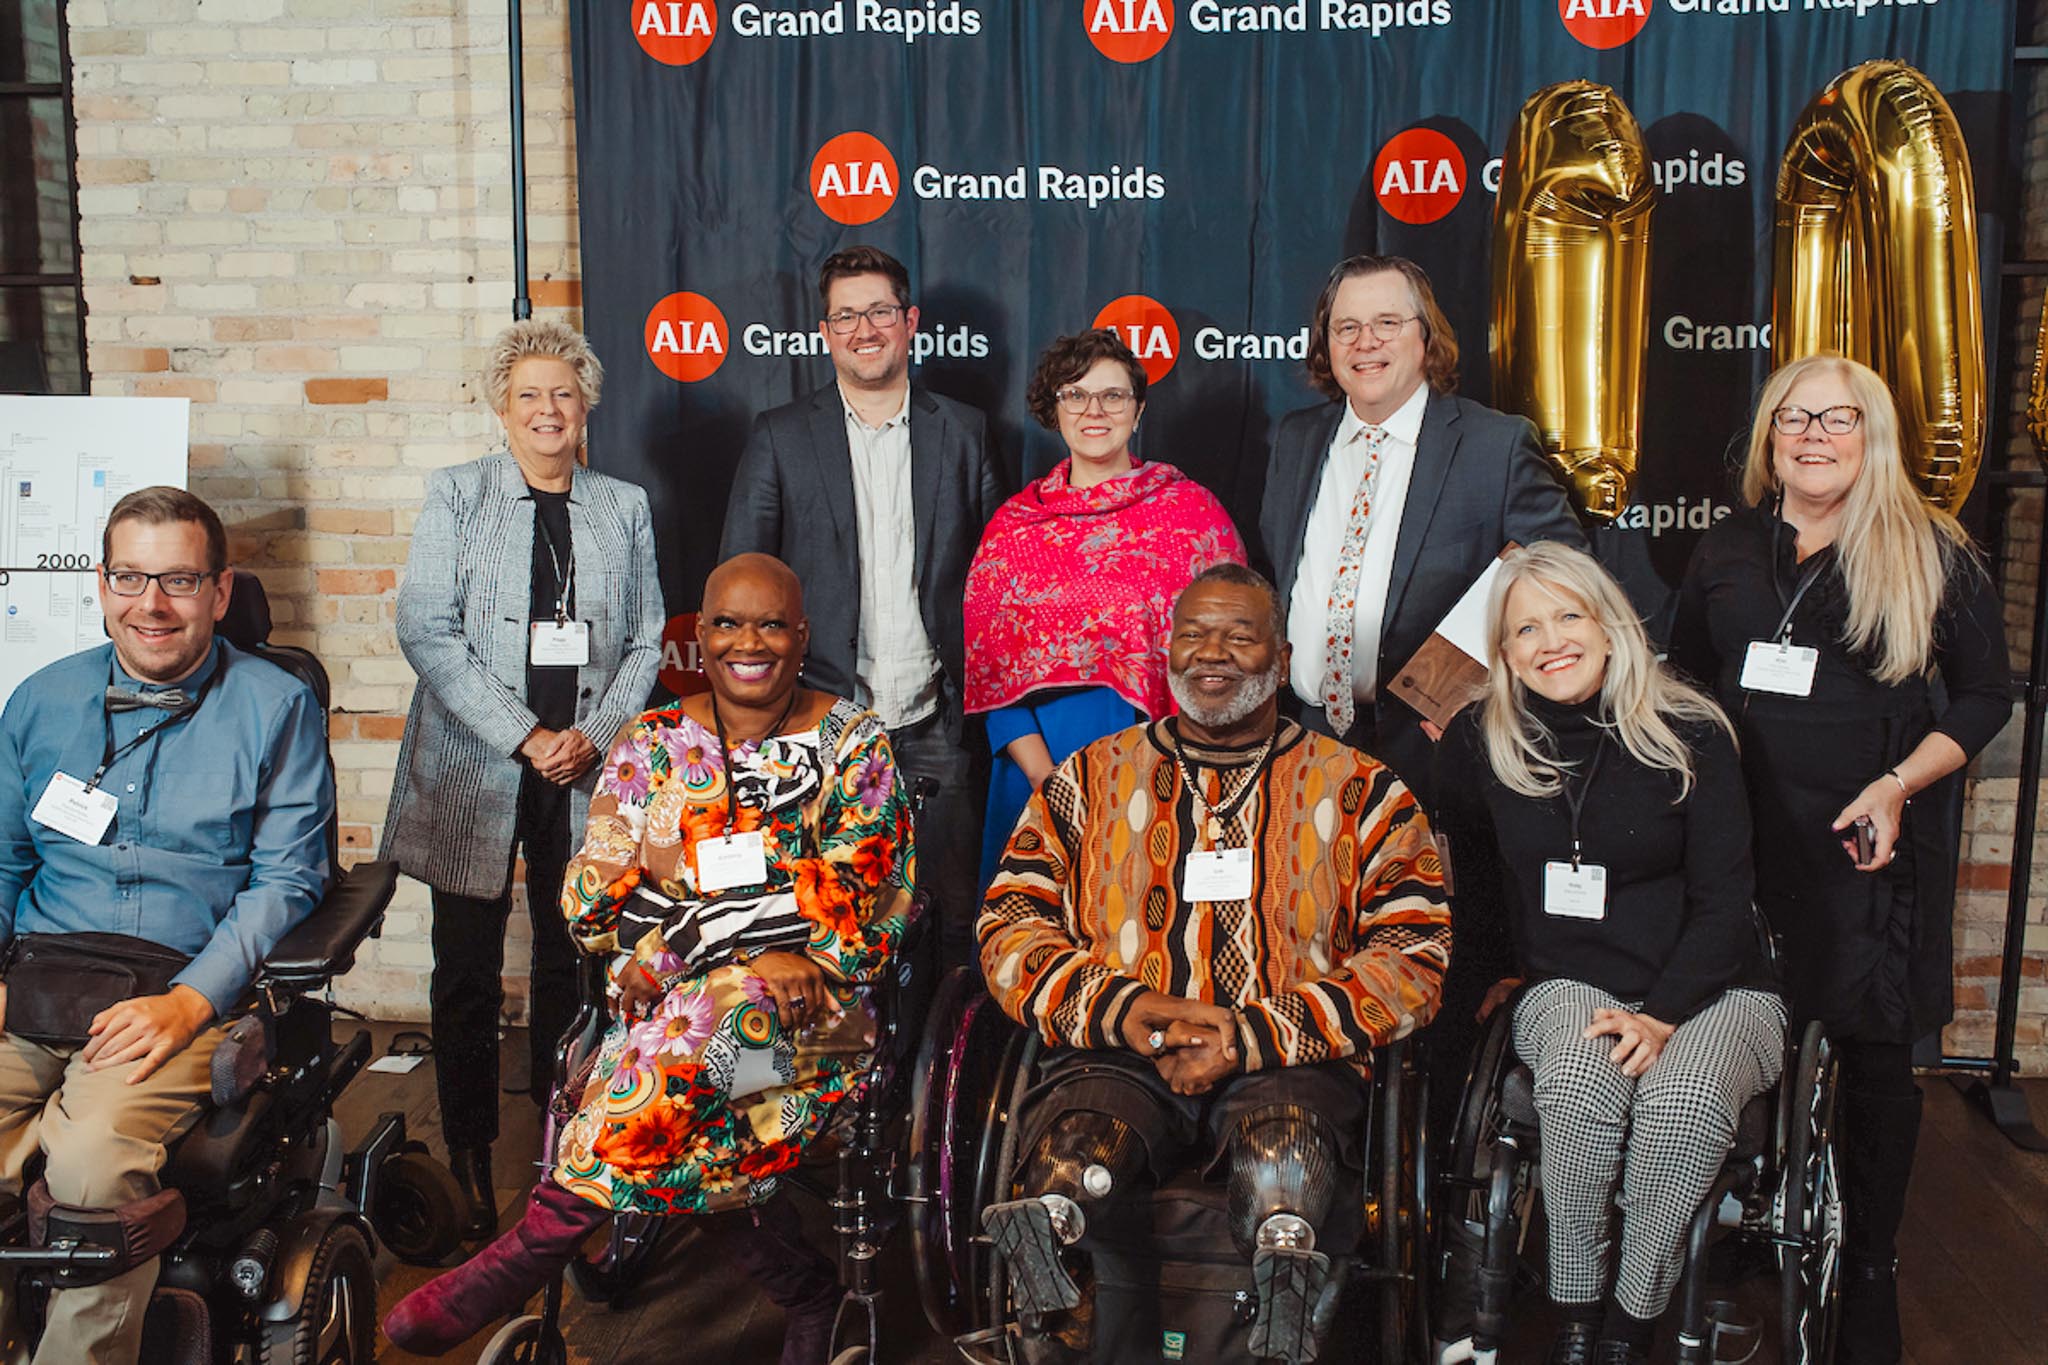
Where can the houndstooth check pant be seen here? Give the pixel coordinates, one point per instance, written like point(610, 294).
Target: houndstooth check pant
point(1664, 1135)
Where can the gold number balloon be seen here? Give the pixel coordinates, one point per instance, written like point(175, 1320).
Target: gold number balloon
point(1571, 285)
point(2037, 391)
point(1876, 257)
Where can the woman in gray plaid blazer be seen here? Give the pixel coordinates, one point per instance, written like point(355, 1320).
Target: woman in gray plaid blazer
point(532, 612)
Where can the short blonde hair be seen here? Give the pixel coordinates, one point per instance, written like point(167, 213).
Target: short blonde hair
point(1639, 697)
point(541, 338)
point(1895, 548)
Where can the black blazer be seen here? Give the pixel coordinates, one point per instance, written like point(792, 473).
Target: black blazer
point(792, 497)
point(1480, 481)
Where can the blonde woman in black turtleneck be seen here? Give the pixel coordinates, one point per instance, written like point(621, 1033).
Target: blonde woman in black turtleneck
point(1613, 795)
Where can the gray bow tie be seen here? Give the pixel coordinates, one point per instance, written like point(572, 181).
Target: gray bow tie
point(172, 699)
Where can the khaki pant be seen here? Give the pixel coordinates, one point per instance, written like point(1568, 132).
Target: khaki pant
point(106, 1142)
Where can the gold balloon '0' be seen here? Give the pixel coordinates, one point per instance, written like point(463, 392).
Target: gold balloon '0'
point(1571, 285)
point(1877, 258)
point(2037, 392)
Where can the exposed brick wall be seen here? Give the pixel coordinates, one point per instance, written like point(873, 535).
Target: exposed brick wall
point(297, 213)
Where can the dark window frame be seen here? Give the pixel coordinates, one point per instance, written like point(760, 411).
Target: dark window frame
point(17, 285)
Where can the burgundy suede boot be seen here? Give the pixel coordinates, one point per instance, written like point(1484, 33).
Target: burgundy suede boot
point(768, 1241)
point(439, 1316)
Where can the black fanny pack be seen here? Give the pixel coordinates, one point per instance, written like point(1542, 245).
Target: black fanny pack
point(57, 983)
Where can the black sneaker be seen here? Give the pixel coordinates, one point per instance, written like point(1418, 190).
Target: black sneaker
point(1620, 1353)
point(1573, 1345)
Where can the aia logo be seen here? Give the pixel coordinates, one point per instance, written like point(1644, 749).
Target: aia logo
point(1147, 328)
point(675, 32)
point(682, 666)
point(854, 179)
point(1604, 23)
point(1419, 175)
point(686, 337)
point(1128, 30)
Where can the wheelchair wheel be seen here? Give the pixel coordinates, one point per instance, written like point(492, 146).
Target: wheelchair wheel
point(336, 1321)
point(419, 1208)
point(1809, 1207)
point(1468, 1299)
point(525, 1341)
point(612, 1275)
point(1398, 1225)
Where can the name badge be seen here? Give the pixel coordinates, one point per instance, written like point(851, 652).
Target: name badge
point(560, 644)
point(1575, 892)
point(1223, 874)
point(1787, 669)
point(74, 812)
point(734, 860)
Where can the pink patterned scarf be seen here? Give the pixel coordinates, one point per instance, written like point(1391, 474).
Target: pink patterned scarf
point(1074, 587)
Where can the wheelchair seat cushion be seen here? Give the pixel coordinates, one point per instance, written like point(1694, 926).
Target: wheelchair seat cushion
point(225, 1142)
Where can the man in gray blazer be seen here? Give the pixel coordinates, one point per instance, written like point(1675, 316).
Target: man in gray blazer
point(1392, 498)
point(876, 492)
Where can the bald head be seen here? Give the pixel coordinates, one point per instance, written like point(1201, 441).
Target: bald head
point(751, 633)
point(752, 576)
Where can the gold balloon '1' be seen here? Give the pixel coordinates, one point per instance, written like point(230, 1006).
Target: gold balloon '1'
point(1876, 258)
point(1571, 285)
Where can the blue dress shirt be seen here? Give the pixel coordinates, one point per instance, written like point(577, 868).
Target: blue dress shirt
point(219, 844)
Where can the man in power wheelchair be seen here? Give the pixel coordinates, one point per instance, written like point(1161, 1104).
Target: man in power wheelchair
point(166, 819)
point(1211, 921)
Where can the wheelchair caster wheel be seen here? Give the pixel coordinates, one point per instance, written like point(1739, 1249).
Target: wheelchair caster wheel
point(525, 1341)
point(419, 1209)
point(852, 1355)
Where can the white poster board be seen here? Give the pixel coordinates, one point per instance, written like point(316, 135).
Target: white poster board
point(64, 463)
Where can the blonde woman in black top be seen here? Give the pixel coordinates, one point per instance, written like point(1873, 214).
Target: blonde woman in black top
point(1612, 793)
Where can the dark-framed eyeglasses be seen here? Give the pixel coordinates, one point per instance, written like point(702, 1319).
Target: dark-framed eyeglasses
point(134, 583)
point(879, 315)
point(1386, 328)
point(1836, 421)
point(1075, 400)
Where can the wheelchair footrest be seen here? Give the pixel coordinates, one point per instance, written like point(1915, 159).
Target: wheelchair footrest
point(1290, 1283)
point(1024, 1237)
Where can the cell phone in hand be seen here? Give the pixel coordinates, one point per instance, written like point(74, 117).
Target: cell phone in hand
point(1866, 839)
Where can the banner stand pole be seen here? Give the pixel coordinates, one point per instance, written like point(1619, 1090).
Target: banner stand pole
point(522, 305)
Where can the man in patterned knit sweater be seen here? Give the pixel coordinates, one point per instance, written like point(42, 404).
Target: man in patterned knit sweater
point(1212, 920)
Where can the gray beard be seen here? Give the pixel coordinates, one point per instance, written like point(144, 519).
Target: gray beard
point(1251, 694)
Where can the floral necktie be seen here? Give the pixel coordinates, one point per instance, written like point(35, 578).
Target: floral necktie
point(1342, 620)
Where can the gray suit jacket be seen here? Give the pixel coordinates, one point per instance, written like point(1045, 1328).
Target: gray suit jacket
point(1480, 481)
point(462, 622)
point(792, 497)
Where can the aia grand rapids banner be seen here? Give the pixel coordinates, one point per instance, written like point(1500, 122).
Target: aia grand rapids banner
point(1186, 171)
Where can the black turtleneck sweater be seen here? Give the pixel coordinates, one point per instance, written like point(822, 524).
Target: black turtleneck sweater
point(1678, 929)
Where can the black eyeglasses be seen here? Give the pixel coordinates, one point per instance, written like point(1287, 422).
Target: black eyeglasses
point(1836, 421)
point(881, 315)
point(178, 583)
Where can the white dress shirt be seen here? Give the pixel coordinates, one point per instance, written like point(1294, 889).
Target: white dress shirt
point(1308, 606)
point(897, 670)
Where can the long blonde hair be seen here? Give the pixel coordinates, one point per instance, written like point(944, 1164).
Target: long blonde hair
point(1895, 548)
point(1639, 698)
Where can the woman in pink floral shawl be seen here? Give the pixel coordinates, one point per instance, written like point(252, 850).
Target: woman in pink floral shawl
point(1071, 594)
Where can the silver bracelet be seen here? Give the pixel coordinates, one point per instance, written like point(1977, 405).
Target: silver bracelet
point(1893, 774)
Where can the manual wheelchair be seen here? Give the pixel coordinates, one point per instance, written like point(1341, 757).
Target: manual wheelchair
point(268, 1234)
point(976, 1072)
point(1777, 1192)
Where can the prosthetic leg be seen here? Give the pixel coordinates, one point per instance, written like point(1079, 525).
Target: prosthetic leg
point(1079, 1160)
point(1283, 1176)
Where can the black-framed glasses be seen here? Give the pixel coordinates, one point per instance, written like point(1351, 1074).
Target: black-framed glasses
point(134, 583)
point(880, 315)
point(1076, 400)
point(1386, 328)
point(1836, 421)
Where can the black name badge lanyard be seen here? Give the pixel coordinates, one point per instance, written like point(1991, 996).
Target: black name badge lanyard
point(738, 858)
point(1577, 889)
point(1777, 665)
point(80, 810)
point(560, 643)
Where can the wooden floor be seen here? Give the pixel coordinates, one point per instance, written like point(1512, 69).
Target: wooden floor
point(1974, 1257)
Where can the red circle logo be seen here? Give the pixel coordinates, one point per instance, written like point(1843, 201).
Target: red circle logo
point(682, 668)
point(1147, 328)
point(1604, 23)
point(854, 179)
point(1419, 175)
point(675, 32)
point(1128, 30)
point(686, 337)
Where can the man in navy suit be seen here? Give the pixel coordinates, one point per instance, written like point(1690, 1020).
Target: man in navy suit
point(1384, 505)
point(876, 492)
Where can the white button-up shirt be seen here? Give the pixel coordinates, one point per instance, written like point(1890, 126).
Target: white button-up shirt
point(896, 671)
point(1308, 606)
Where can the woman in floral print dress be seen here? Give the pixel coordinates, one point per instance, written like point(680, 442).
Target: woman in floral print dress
point(747, 866)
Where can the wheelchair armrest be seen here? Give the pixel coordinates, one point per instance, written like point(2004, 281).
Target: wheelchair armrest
point(324, 945)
